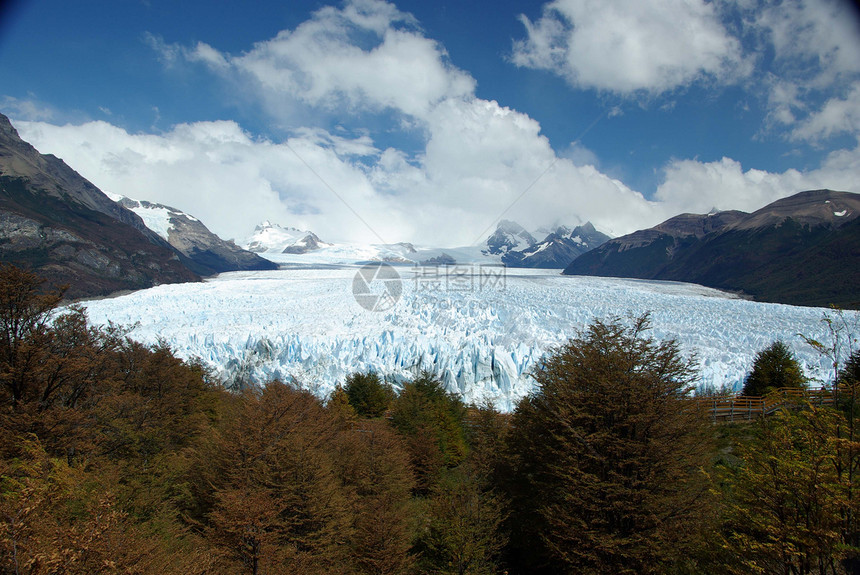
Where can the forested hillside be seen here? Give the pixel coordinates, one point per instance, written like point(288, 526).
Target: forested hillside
point(121, 458)
point(799, 250)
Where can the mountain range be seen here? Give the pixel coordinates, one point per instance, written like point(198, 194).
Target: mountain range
point(556, 250)
point(208, 254)
point(510, 244)
point(802, 250)
point(56, 223)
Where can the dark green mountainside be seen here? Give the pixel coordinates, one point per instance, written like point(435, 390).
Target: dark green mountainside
point(801, 250)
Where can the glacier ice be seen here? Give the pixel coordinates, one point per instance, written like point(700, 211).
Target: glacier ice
point(482, 339)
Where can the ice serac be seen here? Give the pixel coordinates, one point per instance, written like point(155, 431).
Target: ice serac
point(208, 254)
point(57, 223)
point(304, 325)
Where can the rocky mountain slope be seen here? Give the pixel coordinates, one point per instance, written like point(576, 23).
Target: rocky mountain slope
point(208, 254)
point(55, 222)
point(802, 250)
point(58, 224)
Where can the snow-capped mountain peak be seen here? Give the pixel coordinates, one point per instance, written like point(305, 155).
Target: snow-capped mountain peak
point(509, 236)
point(272, 238)
point(510, 244)
point(558, 249)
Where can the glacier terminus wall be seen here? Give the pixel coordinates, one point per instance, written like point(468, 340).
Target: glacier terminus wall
point(482, 336)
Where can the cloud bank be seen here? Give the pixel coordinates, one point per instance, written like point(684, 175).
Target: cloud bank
point(475, 160)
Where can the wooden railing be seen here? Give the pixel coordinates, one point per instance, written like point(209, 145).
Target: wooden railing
point(747, 408)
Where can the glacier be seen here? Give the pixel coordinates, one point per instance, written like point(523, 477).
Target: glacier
point(483, 334)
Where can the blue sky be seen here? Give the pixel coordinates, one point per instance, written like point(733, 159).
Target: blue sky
point(414, 121)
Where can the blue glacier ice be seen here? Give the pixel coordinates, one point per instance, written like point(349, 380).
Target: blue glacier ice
point(483, 340)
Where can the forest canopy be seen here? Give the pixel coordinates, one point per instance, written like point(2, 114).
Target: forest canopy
point(118, 457)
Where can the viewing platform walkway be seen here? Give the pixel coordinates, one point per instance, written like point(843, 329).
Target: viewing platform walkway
point(734, 408)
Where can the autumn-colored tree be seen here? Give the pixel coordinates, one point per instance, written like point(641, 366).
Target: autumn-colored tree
point(65, 394)
point(841, 351)
point(24, 315)
point(374, 468)
point(55, 518)
point(48, 365)
point(340, 409)
point(278, 504)
point(774, 367)
point(848, 466)
point(606, 457)
point(147, 423)
point(156, 402)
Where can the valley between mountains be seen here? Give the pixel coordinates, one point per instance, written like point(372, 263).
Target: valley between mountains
point(281, 303)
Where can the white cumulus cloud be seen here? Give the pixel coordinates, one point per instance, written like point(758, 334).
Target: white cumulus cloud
point(471, 161)
point(697, 187)
point(650, 46)
point(817, 39)
point(481, 161)
point(815, 44)
point(836, 116)
point(365, 55)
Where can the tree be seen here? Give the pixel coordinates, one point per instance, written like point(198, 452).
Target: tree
point(24, 311)
point(368, 395)
point(486, 428)
point(339, 407)
point(50, 364)
point(843, 344)
point(278, 505)
point(788, 503)
point(848, 468)
point(55, 518)
point(374, 467)
point(464, 520)
point(432, 422)
point(606, 457)
point(463, 511)
point(774, 367)
point(849, 374)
